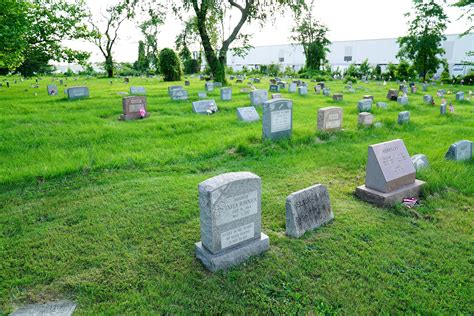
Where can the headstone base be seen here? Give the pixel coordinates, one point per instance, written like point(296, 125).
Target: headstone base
point(232, 257)
point(131, 117)
point(391, 198)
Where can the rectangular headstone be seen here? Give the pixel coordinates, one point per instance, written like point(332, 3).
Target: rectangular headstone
point(75, 93)
point(178, 94)
point(302, 90)
point(170, 88)
point(382, 105)
point(248, 114)
point(226, 94)
point(326, 92)
point(203, 106)
point(392, 95)
point(257, 97)
point(187, 83)
point(366, 119)
point(364, 105)
point(274, 88)
point(292, 87)
point(460, 151)
point(277, 120)
point(442, 109)
point(231, 220)
point(330, 119)
point(137, 90)
point(403, 100)
point(217, 84)
point(403, 117)
point(281, 84)
point(202, 95)
point(460, 96)
point(337, 97)
point(276, 96)
point(52, 89)
point(317, 89)
point(209, 86)
point(132, 106)
point(307, 209)
point(428, 99)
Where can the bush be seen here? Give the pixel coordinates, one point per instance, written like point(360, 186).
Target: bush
point(469, 79)
point(170, 65)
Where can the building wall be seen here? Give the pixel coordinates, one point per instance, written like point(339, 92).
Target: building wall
point(344, 53)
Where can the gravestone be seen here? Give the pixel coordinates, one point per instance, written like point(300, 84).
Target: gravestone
point(217, 84)
point(134, 107)
point(371, 97)
point(61, 82)
point(231, 220)
point(226, 94)
point(256, 80)
point(248, 114)
point(52, 89)
point(392, 95)
point(460, 96)
point(413, 89)
point(307, 209)
point(424, 87)
point(281, 84)
point(75, 93)
point(274, 88)
point(460, 151)
point(59, 308)
point(245, 90)
point(317, 89)
point(202, 95)
point(209, 86)
point(302, 90)
point(364, 105)
point(326, 92)
point(8, 84)
point(428, 99)
point(204, 106)
point(170, 88)
point(390, 175)
point(139, 90)
point(403, 117)
point(330, 119)
point(442, 109)
point(403, 100)
point(257, 97)
point(337, 97)
point(321, 84)
point(366, 119)
point(292, 87)
point(231, 77)
point(179, 94)
point(277, 119)
point(419, 161)
point(382, 105)
point(276, 96)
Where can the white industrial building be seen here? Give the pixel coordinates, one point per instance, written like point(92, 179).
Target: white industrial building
point(343, 53)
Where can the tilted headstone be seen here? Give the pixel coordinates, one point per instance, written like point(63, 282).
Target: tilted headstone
point(52, 89)
point(366, 119)
point(204, 106)
point(392, 95)
point(307, 209)
point(179, 94)
point(248, 114)
point(302, 90)
point(460, 151)
point(231, 220)
point(170, 88)
point(419, 161)
point(137, 90)
point(390, 175)
point(403, 117)
point(337, 97)
point(364, 105)
point(382, 105)
point(226, 94)
point(460, 96)
point(428, 99)
point(257, 97)
point(292, 87)
point(403, 100)
point(75, 93)
point(274, 88)
point(209, 86)
point(277, 119)
point(330, 119)
point(134, 107)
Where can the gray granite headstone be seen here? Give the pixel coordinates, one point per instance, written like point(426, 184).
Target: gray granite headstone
point(276, 95)
point(52, 89)
point(403, 117)
point(459, 151)
point(277, 119)
point(187, 83)
point(403, 100)
point(392, 95)
point(364, 105)
point(178, 94)
point(337, 97)
point(59, 308)
point(428, 99)
point(202, 95)
point(420, 161)
point(425, 87)
point(203, 106)
point(302, 90)
point(209, 86)
point(460, 96)
point(281, 84)
point(170, 88)
point(442, 109)
point(257, 97)
point(274, 88)
point(137, 90)
point(330, 119)
point(292, 87)
point(248, 114)
point(317, 89)
point(75, 93)
point(307, 209)
point(226, 94)
point(217, 84)
point(231, 220)
point(366, 119)
point(326, 92)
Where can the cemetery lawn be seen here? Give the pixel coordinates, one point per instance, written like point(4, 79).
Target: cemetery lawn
point(106, 213)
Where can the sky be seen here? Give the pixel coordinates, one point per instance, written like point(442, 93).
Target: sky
point(346, 20)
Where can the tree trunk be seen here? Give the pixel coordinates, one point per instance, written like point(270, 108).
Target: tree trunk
point(214, 63)
point(109, 66)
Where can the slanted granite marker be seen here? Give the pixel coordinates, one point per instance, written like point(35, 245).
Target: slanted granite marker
point(277, 119)
point(364, 105)
point(134, 108)
point(460, 151)
point(204, 106)
point(59, 308)
point(390, 175)
point(179, 94)
point(307, 209)
point(75, 93)
point(403, 117)
point(420, 161)
point(231, 220)
point(257, 97)
point(330, 119)
point(248, 114)
point(302, 90)
point(226, 94)
point(137, 90)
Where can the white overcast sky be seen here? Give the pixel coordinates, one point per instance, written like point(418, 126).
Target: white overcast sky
point(346, 19)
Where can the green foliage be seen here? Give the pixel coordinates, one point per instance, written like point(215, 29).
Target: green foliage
point(403, 72)
point(14, 25)
point(422, 44)
point(365, 69)
point(273, 70)
point(445, 76)
point(69, 73)
point(377, 71)
point(170, 65)
point(142, 64)
point(352, 71)
point(469, 79)
point(391, 72)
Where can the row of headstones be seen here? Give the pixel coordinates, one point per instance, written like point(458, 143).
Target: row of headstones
point(231, 203)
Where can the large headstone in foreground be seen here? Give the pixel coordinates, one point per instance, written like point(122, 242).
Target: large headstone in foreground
point(330, 119)
point(460, 151)
point(75, 93)
point(134, 108)
point(231, 220)
point(204, 106)
point(307, 209)
point(277, 119)
point(390, 175)
point(257, 97)
point(248, 114)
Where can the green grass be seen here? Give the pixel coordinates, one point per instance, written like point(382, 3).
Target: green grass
point(106, 212)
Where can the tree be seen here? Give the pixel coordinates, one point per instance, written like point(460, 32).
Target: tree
point(150, 31)
point(468, 11)
point(170, 65)
point(422, 44)
point(106, 39)
point(364, 69)
point(391, 72)
point(208, 11)
point(311, 34)
point(14, 25)
point(403, 70)
point(142, 63)
point(377, 71)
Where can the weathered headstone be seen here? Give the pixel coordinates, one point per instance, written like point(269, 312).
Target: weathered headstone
point(274, 88)
point(75, 93)
point(330, 119)
point(202, 95)
point(392, 95)
point(390, 175)
point(364, 105)
point(442, 109)
point(326, 92)
point(428, 99)
point(419, 161)
point(371, 97)
point(61, 82)
point(382, 105)
point(276, 95)
point(170, 88)
point(460, 151)
point(307, 209)
point(292, 87)
point(460, 96)
point(302, 90)
point(424, 87)
point(138, 90)
point(231, 220)
point(317, 89)
point(257, 97)
point(209, 86)
point(226, 94)
point(413, 89)
point(179, 94)
point(281, 84)
point(403, 100)
point(134, 107)
point(59, 308)
point(337, 97)
point(217, 84)
point(366, 119)
point(204, 106)
point(403, 117)
point(52, 89)
point(248, 114)
point(321, 84)
point(277, 119)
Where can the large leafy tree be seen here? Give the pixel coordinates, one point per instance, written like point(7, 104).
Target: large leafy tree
point(468, 12)
point(142, 64)
point(209, 11)
point(422, 44)
point(311, 34)
point(14, 25)
point(150, 30)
